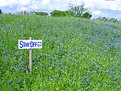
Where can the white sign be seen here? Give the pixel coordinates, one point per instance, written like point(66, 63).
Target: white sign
point(29, 44)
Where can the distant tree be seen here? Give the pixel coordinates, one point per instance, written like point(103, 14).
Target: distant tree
point(78, 10)
point(32, 12)
point(24, 12)
point(74, 10)
point(113, 20)
point(58, 13)
point(39, 13)
point(87, 15)
point(1, 11)
point(102, 18)
point(108, 19)
point(68, 13)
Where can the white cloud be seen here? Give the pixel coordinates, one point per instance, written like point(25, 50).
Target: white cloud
point(34, 6)
point(97, 7)
point(103, 4)
point(45, 2)
point(24, 2)
point(92, 4)
point(97, 12)
point(4, 3)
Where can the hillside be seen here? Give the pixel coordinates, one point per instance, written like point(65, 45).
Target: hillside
point(77, 54)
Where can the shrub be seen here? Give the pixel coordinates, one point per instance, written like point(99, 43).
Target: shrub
point(87, 15)
point(113, 20)
point(58, 13)
point(39, 13)
point(107, 19)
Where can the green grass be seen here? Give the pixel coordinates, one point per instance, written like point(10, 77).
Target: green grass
point(77, 54)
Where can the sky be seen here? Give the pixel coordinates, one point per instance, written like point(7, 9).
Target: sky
point(104, 8)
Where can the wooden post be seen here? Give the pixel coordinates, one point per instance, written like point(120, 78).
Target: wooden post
point(30, 58)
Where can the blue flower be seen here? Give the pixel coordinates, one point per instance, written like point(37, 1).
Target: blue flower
point(33, 60)
point(99, 84)
point(115, 79)
point(41, 56)
point(120, 67)
point(10, 83)
point(90, 69)
point(97, 31)
point(59, 57)
point(117, 76)
point(97, 68)
point(111, 71)
point(61, 71)
point(71, 54)
point(50, 63)
point(20, 57)
point(82, 84)
point(85, 78)
point(19, 82)
point(40, 64)
point(21, 64)
point(21, 23)
point(28, 69)
point(5, 53)
point(54, 78)
point(6, 27)
point(88, 83)
point(57, 64)
point(24, 71)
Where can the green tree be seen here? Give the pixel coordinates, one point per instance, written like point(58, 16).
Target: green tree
point(1, 11)
point(102, 18)
point(78, 10)
point(87, 15)
point(113, 20)
point(40, 13)
point(58, 13)
point(43, 13)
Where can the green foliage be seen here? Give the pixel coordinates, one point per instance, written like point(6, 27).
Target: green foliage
point(40, 13)
point(102, 18)
point(108, 19)
point(78, 10)
point(87, 15)
point(113, 20)
point(78, 54)
point(58, 13)
point(1, 11)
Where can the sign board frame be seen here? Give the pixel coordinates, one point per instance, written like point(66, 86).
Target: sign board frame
point(30, 44)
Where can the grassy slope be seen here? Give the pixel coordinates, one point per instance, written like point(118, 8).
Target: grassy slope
point(77, 54)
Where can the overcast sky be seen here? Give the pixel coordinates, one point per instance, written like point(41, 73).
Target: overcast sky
point(106, 8)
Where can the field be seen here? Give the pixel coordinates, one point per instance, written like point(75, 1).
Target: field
point(77, 54)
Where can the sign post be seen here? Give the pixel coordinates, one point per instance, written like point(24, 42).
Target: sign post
point(30, 57)
point(30, 44)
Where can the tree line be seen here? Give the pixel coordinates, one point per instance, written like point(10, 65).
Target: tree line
point(74, 11)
